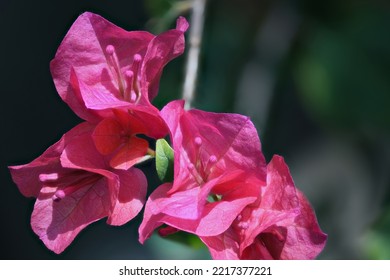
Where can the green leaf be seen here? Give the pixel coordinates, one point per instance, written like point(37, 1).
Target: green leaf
point(164, 160)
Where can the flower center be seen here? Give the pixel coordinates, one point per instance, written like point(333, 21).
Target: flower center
point(203, 163)
point(69, 182)
point(241, 225)
point(128, 83)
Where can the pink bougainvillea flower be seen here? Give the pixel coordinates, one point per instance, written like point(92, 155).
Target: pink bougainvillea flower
point(280, 225)
point(101, 66)
point(218, 170)
point(108, 76)
point(74, 187)
point(209, 144)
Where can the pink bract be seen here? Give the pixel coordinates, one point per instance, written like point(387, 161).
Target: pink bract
point(218, 170)
point(74, 187)
point(280, 225)
point(208, 145)
point(117, 137)
point(100, 66)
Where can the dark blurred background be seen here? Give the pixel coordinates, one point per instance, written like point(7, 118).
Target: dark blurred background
point(314, 76)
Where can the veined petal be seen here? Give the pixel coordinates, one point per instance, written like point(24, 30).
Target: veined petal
point(80, 153)
point(238, 146)
point(188, 210)
point(107, 136)
point(26, 176)
point(279, 202)
point(130, 153)
point(58, 223)
point(128, 198)
point(223, 246)
point(143, 120)
point(283, 220)
point(84, 49)
point(151, 219)
point(93, 99)
point(305, 240)
point(162, 49)
point(226, 210)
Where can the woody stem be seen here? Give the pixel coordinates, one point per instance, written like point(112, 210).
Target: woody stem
point(195, 38)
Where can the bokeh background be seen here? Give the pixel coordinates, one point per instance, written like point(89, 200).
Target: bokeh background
point(314, 76)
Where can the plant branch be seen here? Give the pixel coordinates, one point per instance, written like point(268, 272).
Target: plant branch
point(195, 39)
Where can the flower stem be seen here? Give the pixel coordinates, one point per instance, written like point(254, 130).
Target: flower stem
point(195, 38)
point(151, 152)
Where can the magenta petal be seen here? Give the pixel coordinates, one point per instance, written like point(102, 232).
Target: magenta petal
point(84, 50)
point(184, 205)
point(107, 136)
point(216, 155)
point(158, 205)
point(130, 154)
point(152, 123)
point(93, 97)
point(99, 66)
point(280, 193)
point(238, 144)
point(225, 211)
point(279, 202)
point(75, 100)
point(305, 240)
point(223, 246)
point(187, 210)
point(27, 176)
point(162, 49)
point(182, 24)
point(58, 222)
point(127, 188)
point(129, 197)
point(283, 220)
point(152, 215)
point(187, 204)
point(81, 153)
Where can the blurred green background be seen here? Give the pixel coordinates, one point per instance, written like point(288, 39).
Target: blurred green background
point(313, 76)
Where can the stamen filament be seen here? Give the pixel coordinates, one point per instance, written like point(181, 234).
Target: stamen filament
point(135, 68)
point(129, 82)
point(51, 177)
point(114, 63)
point(194, 172)
point(78, 184)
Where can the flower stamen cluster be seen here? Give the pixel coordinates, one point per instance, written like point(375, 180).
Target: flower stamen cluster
point(127, 81)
